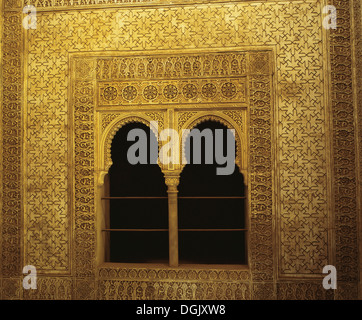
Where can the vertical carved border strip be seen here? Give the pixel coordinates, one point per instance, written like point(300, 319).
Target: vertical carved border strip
point(1, 135)
point(344, 153)
point(84, 218)
point(358, 71)
point(357, 29)
point(11, 127)
point(261, 227)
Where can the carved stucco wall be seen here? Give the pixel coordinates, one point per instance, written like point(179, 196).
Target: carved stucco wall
point(313, 144)
point(258, 80)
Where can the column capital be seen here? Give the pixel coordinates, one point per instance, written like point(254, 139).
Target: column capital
point(172, 179)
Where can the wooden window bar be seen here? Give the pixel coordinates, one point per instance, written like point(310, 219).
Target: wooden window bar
point(149, 198)
point(163, 230)
point(166, 230)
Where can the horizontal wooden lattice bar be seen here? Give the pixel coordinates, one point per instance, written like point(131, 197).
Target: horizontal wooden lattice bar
point(164, 230)
point(146, 198)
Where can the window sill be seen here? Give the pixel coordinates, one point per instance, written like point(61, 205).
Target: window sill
point(184, 272)
point(119, 265)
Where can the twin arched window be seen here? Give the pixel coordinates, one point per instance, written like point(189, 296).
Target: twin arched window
point(211, 207)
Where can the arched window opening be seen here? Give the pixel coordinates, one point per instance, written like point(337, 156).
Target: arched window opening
point(138, 208)
point(211, 207)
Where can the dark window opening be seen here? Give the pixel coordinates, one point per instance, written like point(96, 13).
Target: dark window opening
point(213, 207)
point(138, 226)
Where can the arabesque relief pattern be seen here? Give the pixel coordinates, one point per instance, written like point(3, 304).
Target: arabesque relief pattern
point(344, 144)
point(260, 108)
point(232, 119)
point(150, 284)
point(261, 211)
point(295, 32)
point(11, 153)
point(122, 119)
point(84, 215)
point(300, 113)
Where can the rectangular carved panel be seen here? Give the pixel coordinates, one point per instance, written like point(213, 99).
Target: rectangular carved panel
point(292, 28)
point(344, 149)
point(168, 92)
point(300, 141)
point(11, 153)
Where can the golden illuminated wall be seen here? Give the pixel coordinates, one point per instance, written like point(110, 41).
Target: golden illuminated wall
point(297, 112)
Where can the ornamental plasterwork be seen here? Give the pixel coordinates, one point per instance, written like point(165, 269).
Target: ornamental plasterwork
point(303, 50)
point(234, 116)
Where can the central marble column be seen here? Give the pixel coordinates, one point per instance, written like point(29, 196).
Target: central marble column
point(172, 180)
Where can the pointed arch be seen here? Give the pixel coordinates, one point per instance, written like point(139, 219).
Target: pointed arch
point(241, 142)
point(109, 133)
